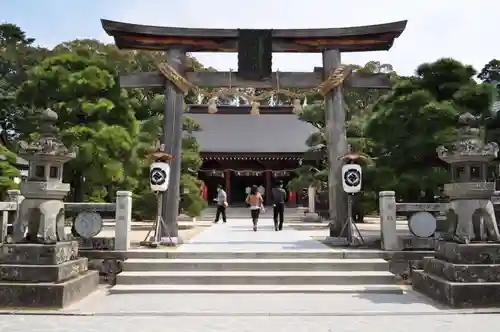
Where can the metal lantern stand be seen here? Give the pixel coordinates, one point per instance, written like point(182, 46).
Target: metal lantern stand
point(351, 226)
point(153, 241)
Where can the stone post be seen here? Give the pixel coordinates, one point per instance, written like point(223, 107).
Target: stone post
point(387, 208)
point(123, 224)
point(311, 195)
point(15, 195)
point(172, 138)
point(11, 217)
point(336, 139)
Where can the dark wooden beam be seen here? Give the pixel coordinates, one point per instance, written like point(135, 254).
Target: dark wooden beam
point(297, 80)
point(115, 27)
point(348, 39)
point(344, 44)
point(243, 109)
point(264, 156)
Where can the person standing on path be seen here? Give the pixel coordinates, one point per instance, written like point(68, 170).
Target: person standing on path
point(256, 205)
point(279, 196)
point(247, 192)
point(221, 204)
point(262, 191)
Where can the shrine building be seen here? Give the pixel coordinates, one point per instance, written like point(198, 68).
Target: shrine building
point(240, 150)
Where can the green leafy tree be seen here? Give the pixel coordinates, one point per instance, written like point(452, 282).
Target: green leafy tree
point(361, 100)
point(191, 201)
point(491, 74)
point(17, 55)
point(419, 115)
point(93, 117)
point(148, 105)
point(8, 171)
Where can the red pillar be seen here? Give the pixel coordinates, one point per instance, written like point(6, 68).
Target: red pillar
point(292, 199)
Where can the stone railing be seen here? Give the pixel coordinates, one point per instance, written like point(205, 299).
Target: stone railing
point(469, 189)
point(122, 210)
point(389, 210)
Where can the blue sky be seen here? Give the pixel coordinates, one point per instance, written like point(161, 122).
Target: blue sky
point(462, 29)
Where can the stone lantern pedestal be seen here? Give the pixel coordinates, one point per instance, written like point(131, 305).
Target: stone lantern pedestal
point(466, 269)
point(41, 268)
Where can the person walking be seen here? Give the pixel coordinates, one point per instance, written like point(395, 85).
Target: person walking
point(256, 205)
point(221, 204)
point(279, 196)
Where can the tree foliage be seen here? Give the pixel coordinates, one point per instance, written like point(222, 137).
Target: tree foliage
point(8, 170)
point(401, 129)
point(490, 74)
point(113, 129)
point(421, 113)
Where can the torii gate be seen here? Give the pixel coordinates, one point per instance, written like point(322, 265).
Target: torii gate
point(331, 78)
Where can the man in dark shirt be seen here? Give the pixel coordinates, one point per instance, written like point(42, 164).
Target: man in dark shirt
point(279, 196)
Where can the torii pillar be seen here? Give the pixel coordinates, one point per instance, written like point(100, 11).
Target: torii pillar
point(172, 138)
point(336, 141)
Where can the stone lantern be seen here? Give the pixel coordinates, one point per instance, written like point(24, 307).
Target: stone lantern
point(41, 214)
point(470, 207)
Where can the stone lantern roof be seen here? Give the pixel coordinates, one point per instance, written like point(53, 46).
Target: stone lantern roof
point(47, 147)
point(469, 147)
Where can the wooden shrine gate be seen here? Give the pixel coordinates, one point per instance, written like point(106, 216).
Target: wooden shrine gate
point(330, 80)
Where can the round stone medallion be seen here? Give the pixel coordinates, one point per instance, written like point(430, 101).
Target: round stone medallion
point(422, 224)
point(88, 224)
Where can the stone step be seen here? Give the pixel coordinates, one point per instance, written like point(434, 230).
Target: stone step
point(255, 277)
point(461, 272)
point(43, 273)
point(457, 294)
point(242, 289)
point(48, 294)
point(300, 264)
point(299, 254)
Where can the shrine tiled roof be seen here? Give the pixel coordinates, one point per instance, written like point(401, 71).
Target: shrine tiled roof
point(233, 130)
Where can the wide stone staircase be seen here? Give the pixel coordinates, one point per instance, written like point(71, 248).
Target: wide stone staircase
point(301, 271)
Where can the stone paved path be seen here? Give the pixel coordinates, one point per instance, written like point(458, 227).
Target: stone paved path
point(237, 235)
point(263, 323)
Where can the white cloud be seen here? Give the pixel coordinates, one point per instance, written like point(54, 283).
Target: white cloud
point(461, 29)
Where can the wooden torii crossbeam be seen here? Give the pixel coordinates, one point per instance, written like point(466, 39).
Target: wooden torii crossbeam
point(287, 80)
point(330, 42)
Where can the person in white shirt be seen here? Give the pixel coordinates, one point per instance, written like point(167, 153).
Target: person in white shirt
point(262, 190)
point(221, 205)
point(247, 193)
